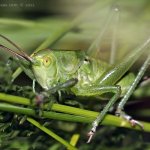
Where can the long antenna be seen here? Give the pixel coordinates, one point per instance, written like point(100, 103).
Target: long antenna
point(18, 48)
point(15, 53)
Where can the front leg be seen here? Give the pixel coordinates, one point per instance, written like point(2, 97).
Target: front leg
point(67, 84)
point(46, 94)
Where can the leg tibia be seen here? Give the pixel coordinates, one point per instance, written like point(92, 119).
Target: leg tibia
point(120, 108)
point(94, 91)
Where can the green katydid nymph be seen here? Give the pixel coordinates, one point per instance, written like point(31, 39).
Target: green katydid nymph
point(84, 76)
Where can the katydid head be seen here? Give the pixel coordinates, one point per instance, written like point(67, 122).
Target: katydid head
point(40, 66)
point(45, 68)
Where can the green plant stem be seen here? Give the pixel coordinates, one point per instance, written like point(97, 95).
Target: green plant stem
point(51, 115)
point(67, 113)
point(52, 134)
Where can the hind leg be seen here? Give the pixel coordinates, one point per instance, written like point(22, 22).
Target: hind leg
point(120, 108)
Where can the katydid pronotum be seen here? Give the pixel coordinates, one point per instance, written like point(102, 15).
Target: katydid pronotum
point(77, 72)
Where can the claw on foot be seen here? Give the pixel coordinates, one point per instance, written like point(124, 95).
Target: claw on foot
point(92, 131)
point(90, 135)
point(128, 118)
point(136, 123)
point(38, 104)
point(39, 99)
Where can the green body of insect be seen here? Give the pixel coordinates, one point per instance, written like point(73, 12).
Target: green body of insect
point(52, 67)
point(83, 75)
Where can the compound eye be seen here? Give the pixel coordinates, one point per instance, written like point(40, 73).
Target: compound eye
point(46, 61)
